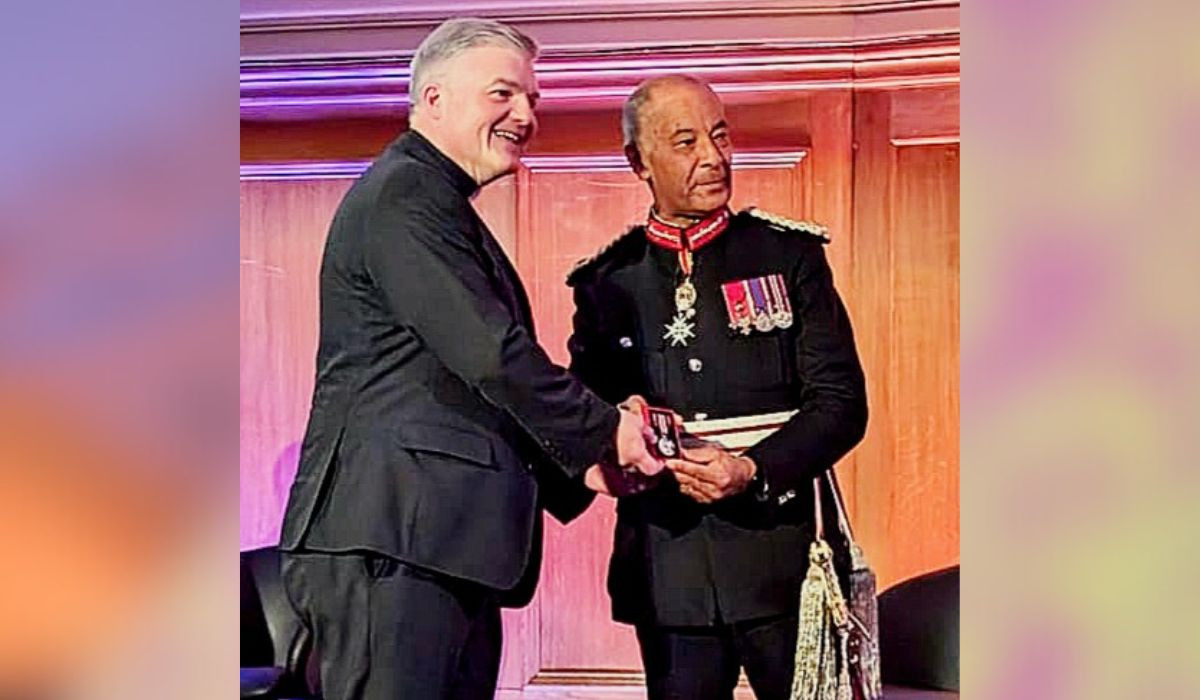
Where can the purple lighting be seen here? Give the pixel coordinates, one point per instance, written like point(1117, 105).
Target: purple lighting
point(364, 85)
point(342, 170)
point(330, 170)
point(324, 101)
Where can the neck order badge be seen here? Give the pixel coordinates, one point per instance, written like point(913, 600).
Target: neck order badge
point(685, 240)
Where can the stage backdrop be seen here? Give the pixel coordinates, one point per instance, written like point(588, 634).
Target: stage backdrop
point(868, 147)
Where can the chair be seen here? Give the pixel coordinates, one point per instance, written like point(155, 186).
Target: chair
point(918, 637)
point(276, 648)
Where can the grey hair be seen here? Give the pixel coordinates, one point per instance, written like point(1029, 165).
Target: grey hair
point(631, 111)
point(454, 36)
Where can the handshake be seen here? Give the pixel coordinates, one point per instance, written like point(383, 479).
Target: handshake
point(651, 450)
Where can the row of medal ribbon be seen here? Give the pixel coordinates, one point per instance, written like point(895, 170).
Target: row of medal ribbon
point(760, 303)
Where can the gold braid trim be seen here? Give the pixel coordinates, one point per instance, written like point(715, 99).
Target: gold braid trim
point(783, 222)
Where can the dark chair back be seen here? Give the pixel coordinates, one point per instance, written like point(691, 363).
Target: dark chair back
point(272, 634)
point(918, 631)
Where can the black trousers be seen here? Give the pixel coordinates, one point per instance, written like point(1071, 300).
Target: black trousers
point(702, 663)
point(386, 631)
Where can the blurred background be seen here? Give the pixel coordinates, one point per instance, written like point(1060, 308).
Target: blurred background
point(118, 349)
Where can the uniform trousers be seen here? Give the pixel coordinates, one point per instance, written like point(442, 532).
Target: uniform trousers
point(702, 663)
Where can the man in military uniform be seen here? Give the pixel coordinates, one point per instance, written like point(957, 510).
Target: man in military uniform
point(731, 320)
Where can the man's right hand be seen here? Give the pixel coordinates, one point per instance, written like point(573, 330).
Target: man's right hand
point(636, 403)
point(632, 452)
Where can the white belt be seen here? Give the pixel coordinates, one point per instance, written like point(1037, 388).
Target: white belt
point(739, 432)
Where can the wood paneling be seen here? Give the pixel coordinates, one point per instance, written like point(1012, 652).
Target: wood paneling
point(923, 482)
point(924, 114)
point(571, 215)
point(302, 141)
point(282, 233)
point(780, 123)
point(904, 491)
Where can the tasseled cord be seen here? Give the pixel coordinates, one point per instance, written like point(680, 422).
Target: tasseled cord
point(823, 633)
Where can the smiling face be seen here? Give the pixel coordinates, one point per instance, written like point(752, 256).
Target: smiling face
point(684, 150)
point(477, 108)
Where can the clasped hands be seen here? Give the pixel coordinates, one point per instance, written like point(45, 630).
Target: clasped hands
point(707, 472)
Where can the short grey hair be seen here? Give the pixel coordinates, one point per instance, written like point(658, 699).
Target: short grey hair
point(631, 111)
point(454, 36)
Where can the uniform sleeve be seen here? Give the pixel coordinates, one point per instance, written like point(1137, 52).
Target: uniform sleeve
point(435, 282)
point(612, 371)
point(587, 356)
point(832, 415)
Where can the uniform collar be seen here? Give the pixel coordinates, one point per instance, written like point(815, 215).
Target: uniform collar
point(691, 237)
point(420, 148)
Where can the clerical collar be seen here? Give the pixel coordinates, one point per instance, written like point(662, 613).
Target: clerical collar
point(421, 148)
point(690, 237)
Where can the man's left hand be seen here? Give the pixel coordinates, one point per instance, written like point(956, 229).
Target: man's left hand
point(709, 473)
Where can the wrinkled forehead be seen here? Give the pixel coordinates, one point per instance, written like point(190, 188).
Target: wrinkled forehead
point(682, 105)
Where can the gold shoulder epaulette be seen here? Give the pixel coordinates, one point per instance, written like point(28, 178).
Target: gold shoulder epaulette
point(785, 223)
point(599, 255)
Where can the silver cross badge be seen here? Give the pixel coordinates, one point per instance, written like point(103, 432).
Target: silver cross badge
point(679, 330)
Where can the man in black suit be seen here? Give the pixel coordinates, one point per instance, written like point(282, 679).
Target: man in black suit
point(439, 428)
point(732, 321)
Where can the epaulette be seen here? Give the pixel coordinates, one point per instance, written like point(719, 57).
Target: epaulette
point(602, 254)
point(784, 223)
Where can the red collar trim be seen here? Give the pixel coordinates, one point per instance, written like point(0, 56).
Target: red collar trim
point(691, 238)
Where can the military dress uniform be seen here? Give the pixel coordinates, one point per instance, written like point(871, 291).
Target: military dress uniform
point(734, 323)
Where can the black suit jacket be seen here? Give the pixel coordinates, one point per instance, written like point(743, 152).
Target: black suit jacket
point(676, 562)
point(438, 427)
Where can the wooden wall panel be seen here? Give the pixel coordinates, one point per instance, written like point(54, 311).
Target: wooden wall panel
point(923, 482)
point(772, 189)
point(829, 199)
point(924, 113)
point(327, 140)
point(283, 227)
point(570, 216)
point(870, 309)
point(777, 121)
point(904, 491)
point(497, 206)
